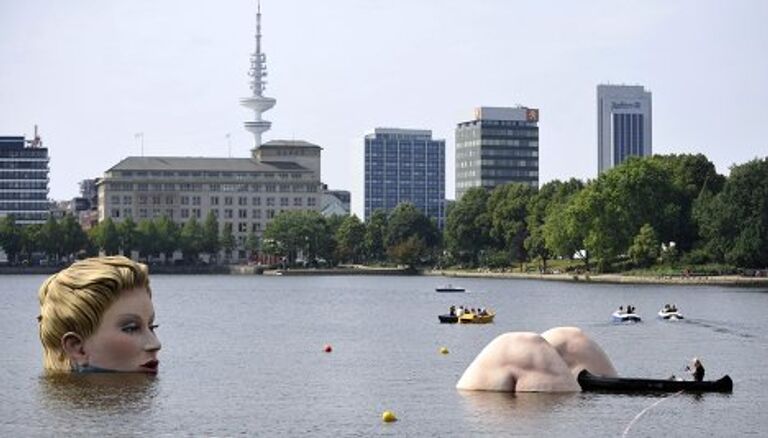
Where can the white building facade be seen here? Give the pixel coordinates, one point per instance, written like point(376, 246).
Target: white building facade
point(624, 124)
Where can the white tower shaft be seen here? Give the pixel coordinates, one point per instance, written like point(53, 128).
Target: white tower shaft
point(257, 101)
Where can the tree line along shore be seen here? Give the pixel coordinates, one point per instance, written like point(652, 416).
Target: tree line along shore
point(667, 216)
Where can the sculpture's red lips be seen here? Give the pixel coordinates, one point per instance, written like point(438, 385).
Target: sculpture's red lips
point(151, 366)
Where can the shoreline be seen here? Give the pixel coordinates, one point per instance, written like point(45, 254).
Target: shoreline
point(722, 280)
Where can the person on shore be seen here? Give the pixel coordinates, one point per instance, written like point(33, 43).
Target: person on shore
point(531, 362)
point(97, 315)
point(696, 369)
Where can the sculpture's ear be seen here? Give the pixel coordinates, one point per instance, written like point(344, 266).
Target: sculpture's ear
point(73, 346)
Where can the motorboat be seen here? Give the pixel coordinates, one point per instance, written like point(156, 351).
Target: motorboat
point(477, 318)
point(450, 288)
point(448, 319)
point(670, 314)
point(619, 317)
point(591, 382)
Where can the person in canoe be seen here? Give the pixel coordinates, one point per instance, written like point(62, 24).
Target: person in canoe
point(696, 369)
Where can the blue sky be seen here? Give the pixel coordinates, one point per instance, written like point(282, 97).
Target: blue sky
point(92, 74)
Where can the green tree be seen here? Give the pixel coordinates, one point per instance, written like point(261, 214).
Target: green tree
point(211, 243)
point(405, 222)
point(508, 209)
point(148, 239)
point(191, 238)
point(31, 240)
point(74, 238)
point(408, 252)
point(467, 227)
point(227, 240)
point(168, 237)
point(128, 235)
point(350, 239)
point(549, 199)
point(106, 237)
point(734, 222)
point(51, 239)
point(252, 243)
point(10, 238)
point(645, 247)
point(375, 229)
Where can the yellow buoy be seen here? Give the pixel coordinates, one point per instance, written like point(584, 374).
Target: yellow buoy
point(388, 417)
point(443, 350)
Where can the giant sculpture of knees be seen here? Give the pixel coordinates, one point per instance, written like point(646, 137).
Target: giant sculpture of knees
point(529, 362)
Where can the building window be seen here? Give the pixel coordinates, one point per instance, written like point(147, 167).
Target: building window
point(127, 212)
point(195, 200)
point(256, 201)
point(227, 200)
point(169, 199)
point(114, 199)
point(255, 227)
point(256, 214)
point(184, 200)
point(214, 200)
point(270, 202)
point(242, 200)
point(197, 213)
point(311, 202)
point(242, 227)
point(270, 213)
point(142, 213)
point(156, 200)
point(228, 213)
point(116, 212)
point(242, 213)
point(283, 202)
point(297, 202)
point(127, 200)
point(184, 213)
point(215, 213)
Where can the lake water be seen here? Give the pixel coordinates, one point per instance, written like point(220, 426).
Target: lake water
point(243, 355)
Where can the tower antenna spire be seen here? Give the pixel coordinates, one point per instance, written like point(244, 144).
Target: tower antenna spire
point(257, 101)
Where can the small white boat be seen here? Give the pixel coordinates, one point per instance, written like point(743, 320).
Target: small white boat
point(670, 314)
point(450, 288)
point(622, 317)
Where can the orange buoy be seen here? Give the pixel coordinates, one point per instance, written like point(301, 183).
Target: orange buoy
point(327, 348)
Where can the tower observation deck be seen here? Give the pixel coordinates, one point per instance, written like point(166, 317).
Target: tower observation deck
point(257, 101)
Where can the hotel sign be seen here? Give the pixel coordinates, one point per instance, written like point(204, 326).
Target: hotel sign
point(532, 115)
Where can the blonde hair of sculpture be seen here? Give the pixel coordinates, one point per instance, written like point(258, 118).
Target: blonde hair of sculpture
point(75, 299)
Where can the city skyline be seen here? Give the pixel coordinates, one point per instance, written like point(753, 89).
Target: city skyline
point(92, 78)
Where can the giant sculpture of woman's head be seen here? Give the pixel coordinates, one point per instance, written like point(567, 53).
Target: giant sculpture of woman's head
point(97, 315)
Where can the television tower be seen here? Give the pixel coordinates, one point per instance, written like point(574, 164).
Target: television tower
point(257, 101)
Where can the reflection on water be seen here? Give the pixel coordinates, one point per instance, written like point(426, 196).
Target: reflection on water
point(104, 392)
point(501, 405)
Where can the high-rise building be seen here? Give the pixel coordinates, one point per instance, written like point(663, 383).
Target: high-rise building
point(405, 165)
point(24, 179)
point(623, 124)
point(499, 146)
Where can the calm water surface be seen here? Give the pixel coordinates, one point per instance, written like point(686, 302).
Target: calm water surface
point(243, 355)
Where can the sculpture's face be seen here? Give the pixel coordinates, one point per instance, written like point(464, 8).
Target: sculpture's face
point(125, 339)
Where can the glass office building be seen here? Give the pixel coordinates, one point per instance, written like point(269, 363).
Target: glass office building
point(405, 165)
point(499, 146)
point(623, 124)
point(24, 180)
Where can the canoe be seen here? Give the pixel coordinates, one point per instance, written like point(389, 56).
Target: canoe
point(591, 382)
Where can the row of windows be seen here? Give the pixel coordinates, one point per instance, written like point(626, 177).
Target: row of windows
point(20, 164)
point(23, 195)
point(27, 206)
point(195, 187)
point(207, 174)
point(24, 153)
point(32, 174)
point(509, 142)
point(24, 185)
point(29, 215)
point(498, 162)
point(214, 200)
point(186, 214)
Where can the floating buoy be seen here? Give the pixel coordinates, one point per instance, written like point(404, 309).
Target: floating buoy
point(443, 350)
point(388, 417)
point(327, 348)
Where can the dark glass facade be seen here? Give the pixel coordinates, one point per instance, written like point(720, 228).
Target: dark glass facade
point(23, 181)
point(490, 153)
point(627, 137)
point(405, 166)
